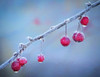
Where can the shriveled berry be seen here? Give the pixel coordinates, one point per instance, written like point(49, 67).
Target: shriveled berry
point(40, 58)
point(65, 41)
point(22, 61)
point(84, 21)
point(15, 66)
point(78, 37)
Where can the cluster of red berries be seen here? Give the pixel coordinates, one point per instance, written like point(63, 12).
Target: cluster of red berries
point(77, 36)
point(18, 63)
point(65, 41)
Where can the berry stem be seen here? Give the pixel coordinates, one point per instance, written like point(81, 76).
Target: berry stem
point(41, 45)
point(66, 29)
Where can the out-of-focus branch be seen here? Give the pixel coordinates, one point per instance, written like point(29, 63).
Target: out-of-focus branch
point(22, 47)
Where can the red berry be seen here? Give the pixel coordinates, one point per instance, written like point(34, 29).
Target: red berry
point(41, 58)
point(65, 41)
point(84, 21)
point(22, 61)
point(15, 66)
point(78, 37)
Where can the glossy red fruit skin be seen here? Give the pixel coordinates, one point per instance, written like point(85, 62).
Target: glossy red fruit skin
point(40, 58)
point(15, 66)
point(78, 37)
point(22, 61)
point(65, 41)
point(84, 21)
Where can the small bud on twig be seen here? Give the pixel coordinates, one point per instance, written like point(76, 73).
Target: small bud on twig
point(30, 38)
point(15, 53)
point(52, 27)
point(22, 46)
point(88, 4)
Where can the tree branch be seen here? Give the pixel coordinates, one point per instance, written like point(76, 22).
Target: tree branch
point(22, 47)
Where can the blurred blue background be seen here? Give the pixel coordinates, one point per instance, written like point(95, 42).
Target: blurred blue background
point(22, 18)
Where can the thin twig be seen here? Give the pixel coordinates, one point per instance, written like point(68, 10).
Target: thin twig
point(31, 40)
